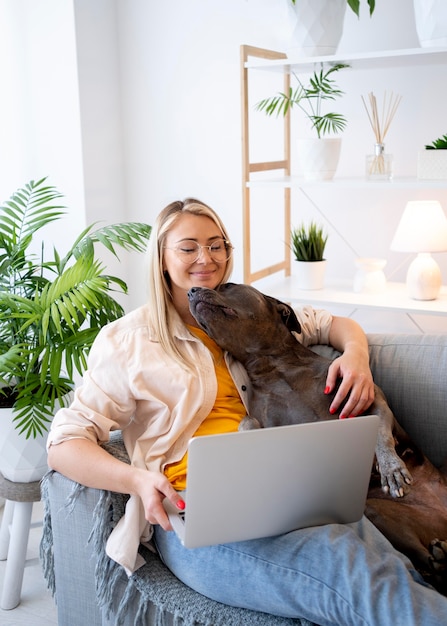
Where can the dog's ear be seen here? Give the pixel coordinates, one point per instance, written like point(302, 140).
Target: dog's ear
point(287, 315)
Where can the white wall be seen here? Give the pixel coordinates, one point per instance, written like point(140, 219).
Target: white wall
point(39, 104)
point(159, 117)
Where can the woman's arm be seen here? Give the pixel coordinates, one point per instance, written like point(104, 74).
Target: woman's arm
point(352, 367)
point(86, 462)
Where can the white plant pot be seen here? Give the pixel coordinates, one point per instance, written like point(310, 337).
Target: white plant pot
point(310, 274)
point(319, 27)
point(431, 22)
point(22, 460)
point(432, 165)
point(318, 158)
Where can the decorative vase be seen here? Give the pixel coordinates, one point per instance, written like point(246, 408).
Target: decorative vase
point(431, 22)
point(22, 460)
point(379, 166)
point(318, 158)
point(310, 274)
point(369, 277)
point(318, 29)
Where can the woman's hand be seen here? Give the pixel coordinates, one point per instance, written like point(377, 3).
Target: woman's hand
point(356, 386)
point(153, 487)
point(351, 369)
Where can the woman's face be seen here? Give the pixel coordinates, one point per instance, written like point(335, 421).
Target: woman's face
point(202, 272)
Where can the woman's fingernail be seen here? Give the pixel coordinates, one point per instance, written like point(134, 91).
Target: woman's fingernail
point(327, 390)
point(181, 504)
point(332, 411)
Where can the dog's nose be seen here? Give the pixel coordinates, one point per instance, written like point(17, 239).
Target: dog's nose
point(192, 291)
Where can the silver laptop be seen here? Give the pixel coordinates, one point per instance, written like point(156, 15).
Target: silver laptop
point(266, 482)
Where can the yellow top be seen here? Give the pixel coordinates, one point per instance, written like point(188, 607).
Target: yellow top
point(225, 416)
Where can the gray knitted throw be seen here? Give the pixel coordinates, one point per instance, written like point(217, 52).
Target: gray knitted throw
point(152, 588)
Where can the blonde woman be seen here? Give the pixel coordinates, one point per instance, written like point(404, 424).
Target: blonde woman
point(157, 377)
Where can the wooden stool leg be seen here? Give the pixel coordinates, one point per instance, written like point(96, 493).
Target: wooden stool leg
point(15, 564)
point(4, 529)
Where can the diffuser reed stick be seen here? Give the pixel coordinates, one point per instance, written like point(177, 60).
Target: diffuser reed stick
point(380, 123)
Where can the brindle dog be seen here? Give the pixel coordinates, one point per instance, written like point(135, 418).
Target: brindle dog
point(407, 498)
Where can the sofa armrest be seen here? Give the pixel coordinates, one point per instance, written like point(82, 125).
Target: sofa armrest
point(411, 370)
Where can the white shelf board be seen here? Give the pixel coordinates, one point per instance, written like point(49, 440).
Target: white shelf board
point(357, 60)
point(349, 183)
point(394, 298)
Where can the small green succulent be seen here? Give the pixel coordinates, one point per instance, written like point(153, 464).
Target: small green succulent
point(308, 242)
point(438, 144)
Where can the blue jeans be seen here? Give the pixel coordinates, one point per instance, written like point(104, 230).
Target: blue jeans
point(331, 575)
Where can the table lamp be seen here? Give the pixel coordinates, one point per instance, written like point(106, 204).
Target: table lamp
point(422, 229)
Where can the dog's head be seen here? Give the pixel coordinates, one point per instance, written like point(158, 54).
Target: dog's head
point(240, 318)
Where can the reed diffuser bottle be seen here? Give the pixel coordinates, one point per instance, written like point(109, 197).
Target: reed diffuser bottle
point(379, 165)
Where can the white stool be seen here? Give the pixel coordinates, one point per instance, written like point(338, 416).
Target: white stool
point(14, 534)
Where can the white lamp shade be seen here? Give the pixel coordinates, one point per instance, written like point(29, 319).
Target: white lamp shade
point(422, 228)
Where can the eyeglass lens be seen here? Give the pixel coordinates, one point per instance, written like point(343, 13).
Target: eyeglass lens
point(189, 251)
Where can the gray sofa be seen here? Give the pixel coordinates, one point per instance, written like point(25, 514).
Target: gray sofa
point(92, 590)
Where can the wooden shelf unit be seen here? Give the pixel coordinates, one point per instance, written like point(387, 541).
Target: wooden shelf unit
point(256, 59)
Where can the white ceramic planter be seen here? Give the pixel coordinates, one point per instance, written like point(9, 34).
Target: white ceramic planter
point(310, 274)
point(318, 29)
point(431, 22)
point(432, 165)
point(318, 159)
point(22, 460)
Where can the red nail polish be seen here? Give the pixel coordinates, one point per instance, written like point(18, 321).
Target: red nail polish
point(327, 390)
point(332, 411)
point(181, 505)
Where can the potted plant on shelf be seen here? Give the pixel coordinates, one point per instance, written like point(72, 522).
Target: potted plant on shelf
point(308, 244)
point(319, 25)
point(50, 312)
point(432, 161)
point(354, 5)
point(318, 157)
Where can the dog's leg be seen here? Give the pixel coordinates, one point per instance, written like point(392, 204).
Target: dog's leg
point(438, 556)
point(249, 423)
point(395, 477)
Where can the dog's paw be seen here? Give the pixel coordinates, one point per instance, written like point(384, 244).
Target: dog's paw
point(395, 478)
point(249, 423)
point(438, 556)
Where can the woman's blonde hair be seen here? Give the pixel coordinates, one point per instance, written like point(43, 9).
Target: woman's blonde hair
point(159, 296)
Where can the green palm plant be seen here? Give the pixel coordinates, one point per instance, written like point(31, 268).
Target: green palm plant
point(51, 310)
point(309, 99)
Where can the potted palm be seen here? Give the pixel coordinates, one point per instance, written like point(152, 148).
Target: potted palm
point(319, 25)
point(354, 5)
point(308, 243)
point(318, 158)
point(51, 310)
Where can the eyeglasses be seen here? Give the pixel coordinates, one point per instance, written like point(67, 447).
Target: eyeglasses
point(189, 251)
